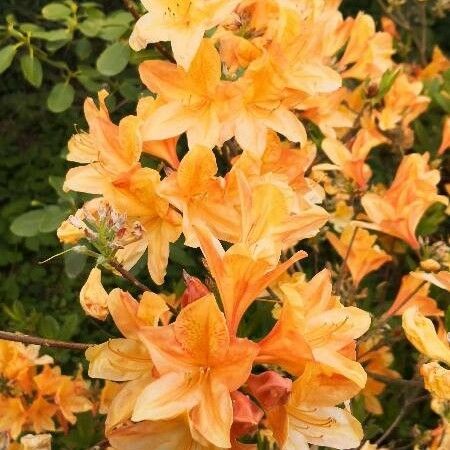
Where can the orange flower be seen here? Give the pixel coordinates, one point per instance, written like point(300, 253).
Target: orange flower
point(242, 272)
point(182, 22)
point(313, 325)
point(402, 104)
point(445, 142)
point(199, 193)
point(108, 151)
point(440, 279)
point(363, 256)
point(262, 109)
point(311, 415)
point(137, 196)
point(398, 211)
point(194, 101)
point(199, 364)
point(411, 293)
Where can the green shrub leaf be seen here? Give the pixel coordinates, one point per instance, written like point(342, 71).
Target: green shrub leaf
point(113, 59)
point(56, 11)
point(6, 56)
point(28, 224)
point(61, 97)
point(32, 70)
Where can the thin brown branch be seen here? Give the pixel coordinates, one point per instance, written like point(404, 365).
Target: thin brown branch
point(385, 379)
point(129, 276)
point(131, 8)
point(26, 339)
point(133, 280)
point(344, 267)
point(403, 411)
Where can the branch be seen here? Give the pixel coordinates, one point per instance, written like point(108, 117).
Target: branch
point(344, 267)
point(24, 338)
point(133, 280)
point(401, 414)
point(131, 7)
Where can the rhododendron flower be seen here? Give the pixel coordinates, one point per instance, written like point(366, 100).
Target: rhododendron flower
point(158, 435)
point(36, 442)
point(197, 191)
point(357, 247)
point(311, 417)
point(108, 151)
point(314, 325)
point(402, 104)
point(413, 292)
point(421, 333)
point(241, 273)
point(182, 22)
point(194, 101)
point(445, 142)
point(399, 210)
point(440, 279)
point(199, 364)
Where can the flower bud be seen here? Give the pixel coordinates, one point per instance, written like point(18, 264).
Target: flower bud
point(270, 388)
point(93, 297)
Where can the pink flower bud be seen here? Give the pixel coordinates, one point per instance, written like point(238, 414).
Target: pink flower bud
point(270, 389)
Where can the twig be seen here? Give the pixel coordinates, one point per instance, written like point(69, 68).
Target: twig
point(24, 338)
point(401, 414)
point(131, 7)
point(133, 280)
point(129, 276)
point(343, 269)
point(384, 379)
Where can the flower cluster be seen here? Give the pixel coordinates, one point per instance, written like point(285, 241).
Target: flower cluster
point(262, 132)
point(33, 392)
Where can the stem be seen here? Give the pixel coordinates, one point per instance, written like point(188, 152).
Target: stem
point(423, 35)
point(133, 280)
point(131, 7)
point(343, 269)
point(401, 414)
point(24, 338)
point(385, 379)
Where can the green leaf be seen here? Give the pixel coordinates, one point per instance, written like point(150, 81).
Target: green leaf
point(431, 220)
point(387, 80)
point(53, 216)
point(113, 59)
point(180, 255)
point(56, 11)
point(28, 224)
point(53, 35)
point(61, 97)
point(70, 326)
point(91, 27)
point(32, 70)
point(83, 48)
point(48, 327)
point(74, 263)
point(6, 56)
point(130, 89)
